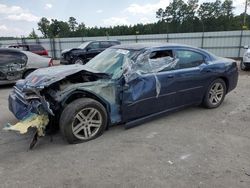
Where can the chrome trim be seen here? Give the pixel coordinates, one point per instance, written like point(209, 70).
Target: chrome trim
point(171, 93)
point(198, 87)
point(151, 98)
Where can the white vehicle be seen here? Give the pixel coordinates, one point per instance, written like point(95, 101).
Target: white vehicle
point(16, 64)
point(245, 63)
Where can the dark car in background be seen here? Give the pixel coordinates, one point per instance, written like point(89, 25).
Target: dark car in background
point(125, 84)
point(85, 52)
point(34, 48)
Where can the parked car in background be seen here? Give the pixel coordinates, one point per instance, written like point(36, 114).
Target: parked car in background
point(245, 63)
point(85, 52)
point(125, 84)
point(16, 64)
point(34, 48)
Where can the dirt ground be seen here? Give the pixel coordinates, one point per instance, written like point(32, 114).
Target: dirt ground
point(194, 147)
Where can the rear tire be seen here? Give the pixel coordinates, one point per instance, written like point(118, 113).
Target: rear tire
point(83, 120)
point(215, 94)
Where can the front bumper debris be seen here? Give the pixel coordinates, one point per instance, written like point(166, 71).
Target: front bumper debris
point(33, 120)
point(31, 109)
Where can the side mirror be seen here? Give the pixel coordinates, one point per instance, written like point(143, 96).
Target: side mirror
point(246, 47)
point(88, 49)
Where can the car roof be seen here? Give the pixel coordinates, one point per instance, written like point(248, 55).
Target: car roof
point(149, 45)
point(25, 45)
point(9, 50)
point(102, 41)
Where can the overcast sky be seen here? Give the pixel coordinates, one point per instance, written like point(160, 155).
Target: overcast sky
point(18, 17)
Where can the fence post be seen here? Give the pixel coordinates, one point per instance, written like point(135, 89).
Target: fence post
point(202, 40)
point(241, 34)
point(60, 46)
point(23, 40)
point(52, 48)
point(37, 41)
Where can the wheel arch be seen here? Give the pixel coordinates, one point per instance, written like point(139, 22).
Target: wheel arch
point(77, 94)
point(225, 79)
point(28, 70)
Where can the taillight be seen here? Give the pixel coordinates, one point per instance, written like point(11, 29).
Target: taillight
point(51, 63)
point(46, 52)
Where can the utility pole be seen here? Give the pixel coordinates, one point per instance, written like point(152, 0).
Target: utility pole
point(245, 15)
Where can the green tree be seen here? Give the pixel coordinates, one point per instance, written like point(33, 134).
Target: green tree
point(43, 26)
point(33, 34)
point(72, 23)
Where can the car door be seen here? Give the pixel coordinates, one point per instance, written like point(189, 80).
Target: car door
point(152, 91)
point(92, 50)
point(191, 80)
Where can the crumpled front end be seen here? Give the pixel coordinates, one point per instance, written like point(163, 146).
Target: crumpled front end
point(30, 108)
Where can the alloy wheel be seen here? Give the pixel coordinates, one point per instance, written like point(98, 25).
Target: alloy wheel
point(216, 93)
point(79, 61)
point(86, 123)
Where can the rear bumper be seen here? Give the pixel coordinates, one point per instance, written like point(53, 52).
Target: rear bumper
point(247, 64)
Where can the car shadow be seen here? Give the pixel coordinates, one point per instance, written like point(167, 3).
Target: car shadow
point(6, 86)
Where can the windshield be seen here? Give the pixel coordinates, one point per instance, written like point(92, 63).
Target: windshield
point(83, 45)
point(111, 61)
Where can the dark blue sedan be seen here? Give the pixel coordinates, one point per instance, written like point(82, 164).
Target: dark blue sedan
point(125, 84)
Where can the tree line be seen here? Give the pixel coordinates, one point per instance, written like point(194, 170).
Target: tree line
point(177, 17)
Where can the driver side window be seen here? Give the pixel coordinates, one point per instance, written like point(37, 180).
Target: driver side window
point(188, 59)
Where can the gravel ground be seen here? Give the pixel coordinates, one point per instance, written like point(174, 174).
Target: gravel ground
point(194, 147)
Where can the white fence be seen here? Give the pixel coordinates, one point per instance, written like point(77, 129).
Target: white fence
point(225, 43)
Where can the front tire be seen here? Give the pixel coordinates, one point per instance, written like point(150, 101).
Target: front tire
point(215, 94)
point(79, 61)
point(83, 120)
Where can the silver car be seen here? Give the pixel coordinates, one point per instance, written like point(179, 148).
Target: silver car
point(245, 63)
point(16, 64)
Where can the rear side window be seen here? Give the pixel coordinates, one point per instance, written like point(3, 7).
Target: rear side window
point(113, 43)
point(105, 44)
point(12, 57)
point(36, 48)
point(94, 45)
point(188, 59)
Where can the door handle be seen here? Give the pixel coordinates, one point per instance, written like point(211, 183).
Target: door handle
point(170, 76)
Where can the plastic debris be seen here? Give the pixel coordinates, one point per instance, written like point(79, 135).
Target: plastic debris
point(33, 120)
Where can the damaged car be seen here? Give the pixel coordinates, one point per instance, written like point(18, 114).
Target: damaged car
point(125, 84)
point(86, 51)
point(16, 64)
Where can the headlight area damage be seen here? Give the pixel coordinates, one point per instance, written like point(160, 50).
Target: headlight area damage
point(38, 99)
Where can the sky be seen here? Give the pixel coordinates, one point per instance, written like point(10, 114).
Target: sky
point(18, 17)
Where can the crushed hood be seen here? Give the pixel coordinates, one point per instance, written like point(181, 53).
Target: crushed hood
point(69, 50)
point(47, 76)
